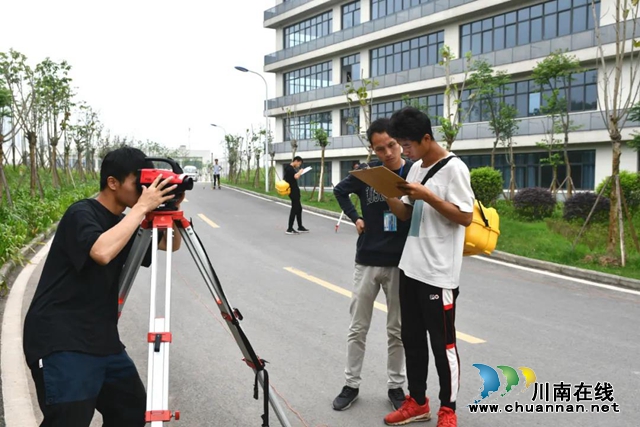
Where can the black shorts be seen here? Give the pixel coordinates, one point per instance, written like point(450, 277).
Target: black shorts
point(71, 386)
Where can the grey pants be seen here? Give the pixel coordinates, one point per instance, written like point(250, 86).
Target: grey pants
point(367, 281)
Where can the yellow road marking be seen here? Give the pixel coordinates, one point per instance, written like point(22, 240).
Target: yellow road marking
point(382, 307)
point(208, 221)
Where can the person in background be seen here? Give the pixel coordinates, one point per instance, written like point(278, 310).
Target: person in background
point(292, 172)
point(217, 169)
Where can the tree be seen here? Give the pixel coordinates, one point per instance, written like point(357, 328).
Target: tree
point(322, 141)
point(489, 87)
point(506, 126)
point(619, 90)
point(20, 79)
point(232, 148)
point(82, 133)
point(551, 145)
point(5, 112)
point(292, 132)
point(363, 97)
point(54, 87)
point(635, 116)
point(553, 75)
point(454, 114)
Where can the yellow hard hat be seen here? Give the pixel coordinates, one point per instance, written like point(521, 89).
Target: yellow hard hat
point(283, 188)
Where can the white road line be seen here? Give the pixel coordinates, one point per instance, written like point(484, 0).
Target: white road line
point(560, 276)
point(344, 220)
point(249, 194)
point(18, 409)
point(533, 270)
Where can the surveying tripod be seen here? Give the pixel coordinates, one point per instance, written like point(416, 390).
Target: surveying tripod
point(160, 337)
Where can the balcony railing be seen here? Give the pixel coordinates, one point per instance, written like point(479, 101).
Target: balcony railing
point(368, 27)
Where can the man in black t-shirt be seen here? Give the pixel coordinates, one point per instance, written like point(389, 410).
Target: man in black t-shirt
point(378, 251)
point(71, 339)
point(292, 172)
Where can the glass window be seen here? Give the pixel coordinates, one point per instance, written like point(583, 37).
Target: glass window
point(311, 178)
point(308, 78)
point(351, 14)
point(350, 121)
point(406, 55)
point(311, 29)
point(351, 68)
point(526, 25)
point(301, 127)
point(382, 8)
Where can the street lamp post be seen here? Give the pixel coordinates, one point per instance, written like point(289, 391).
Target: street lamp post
point(225, 134)
point(266, 137)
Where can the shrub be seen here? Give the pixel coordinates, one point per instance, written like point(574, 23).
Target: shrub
point(579, 206)
point(630, 187)
point(487, 184)
point(534, 203)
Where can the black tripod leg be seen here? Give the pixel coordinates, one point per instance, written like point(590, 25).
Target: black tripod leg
point(190, 239)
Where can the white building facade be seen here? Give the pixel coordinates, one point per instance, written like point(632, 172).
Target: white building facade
point(324, 44)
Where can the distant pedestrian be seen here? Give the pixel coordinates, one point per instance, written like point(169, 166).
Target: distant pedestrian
point(216, 174)
point(292, 172)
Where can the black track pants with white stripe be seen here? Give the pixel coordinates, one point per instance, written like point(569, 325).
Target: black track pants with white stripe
point(425, 308)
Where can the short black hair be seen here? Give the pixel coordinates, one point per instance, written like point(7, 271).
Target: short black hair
point(410, 124)
point(298, 159)
point(122, 162)
point(380, 125)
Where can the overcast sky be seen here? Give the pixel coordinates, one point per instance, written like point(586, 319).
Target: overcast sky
point(154, 69)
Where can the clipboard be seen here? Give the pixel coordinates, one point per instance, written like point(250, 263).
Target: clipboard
point(305, 170)
point(383, 180)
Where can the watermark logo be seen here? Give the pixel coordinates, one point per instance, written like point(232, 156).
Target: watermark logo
point(546, 397)
point(492, 383)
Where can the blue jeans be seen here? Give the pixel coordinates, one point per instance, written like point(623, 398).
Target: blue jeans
point(71, 386)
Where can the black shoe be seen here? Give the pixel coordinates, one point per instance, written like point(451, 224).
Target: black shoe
point(291, 231)
point(346, 397)
point(396, 396)
point(302, 230)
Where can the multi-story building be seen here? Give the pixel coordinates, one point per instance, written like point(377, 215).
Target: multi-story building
point(323, 45)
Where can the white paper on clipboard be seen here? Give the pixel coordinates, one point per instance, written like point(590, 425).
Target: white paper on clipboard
point(305, 170)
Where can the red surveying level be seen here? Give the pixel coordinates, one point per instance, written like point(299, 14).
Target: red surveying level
point(160, 337)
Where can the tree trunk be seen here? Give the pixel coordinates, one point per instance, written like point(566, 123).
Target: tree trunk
point(512, 181)
point(248, 178)
point(33, 140)
point(321, 183)
point(493, 153)
point(568, 166)
point(613, 210)
point(79, 160)
point(55, 178)
point(67, 154)
point(4, 185)
point(554, 180)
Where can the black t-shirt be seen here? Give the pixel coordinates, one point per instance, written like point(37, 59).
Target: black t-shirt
point(75, 307)
point(289, 176)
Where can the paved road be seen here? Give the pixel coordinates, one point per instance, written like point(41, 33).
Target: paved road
point(291, 290)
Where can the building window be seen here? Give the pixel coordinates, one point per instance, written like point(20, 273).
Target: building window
point(528, 25)
point(308, 78)
point(531, 173)
point(347, 166)
point(311, 178)
point(528, 99)
point(350, 121)
point(301, 127)
point(406, 55)
point(351, 15)
point(381, 8)
point(351, 68)
point(311, 29)
point(432, 105)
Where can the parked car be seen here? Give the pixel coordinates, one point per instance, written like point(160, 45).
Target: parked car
point(192, 171)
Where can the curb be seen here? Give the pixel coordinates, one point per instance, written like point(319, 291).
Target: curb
point(578, 273)
point(26, 253)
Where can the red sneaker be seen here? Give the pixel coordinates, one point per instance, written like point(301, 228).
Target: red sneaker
point(447, 417)
point(409, 412)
